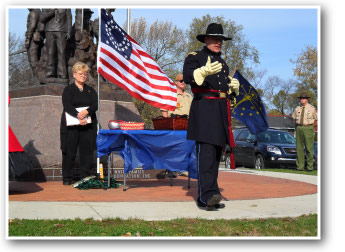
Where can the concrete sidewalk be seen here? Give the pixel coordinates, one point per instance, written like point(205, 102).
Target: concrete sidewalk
point(236, 207)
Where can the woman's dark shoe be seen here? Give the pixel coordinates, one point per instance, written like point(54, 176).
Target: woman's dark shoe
point(67, 183)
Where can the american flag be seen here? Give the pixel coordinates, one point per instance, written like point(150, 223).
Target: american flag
point(123, 62)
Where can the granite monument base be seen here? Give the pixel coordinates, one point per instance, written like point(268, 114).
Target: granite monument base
point(35, 120)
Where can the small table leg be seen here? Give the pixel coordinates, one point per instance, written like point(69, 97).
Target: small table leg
point(124, 180)
point(109, 161)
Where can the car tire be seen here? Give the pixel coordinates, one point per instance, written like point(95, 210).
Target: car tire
point(227, 161)
point(222, 157)
point(259, 162)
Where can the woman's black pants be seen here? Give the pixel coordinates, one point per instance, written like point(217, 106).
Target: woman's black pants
point(82, 137)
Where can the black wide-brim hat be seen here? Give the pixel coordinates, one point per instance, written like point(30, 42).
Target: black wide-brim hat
point(303, 95)
point(213, 29)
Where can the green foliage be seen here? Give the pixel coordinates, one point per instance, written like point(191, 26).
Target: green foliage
point(305, 225)
point(286, 170)
point(283, 101)
point(260, 91)
point(273, 112)
point(237, 53)
point(147, 112)
point(307, 73)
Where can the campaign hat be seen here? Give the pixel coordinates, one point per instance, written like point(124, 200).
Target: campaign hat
point(303, 95)
point(213, 29)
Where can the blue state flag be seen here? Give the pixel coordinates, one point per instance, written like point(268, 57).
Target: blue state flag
point(249, 108)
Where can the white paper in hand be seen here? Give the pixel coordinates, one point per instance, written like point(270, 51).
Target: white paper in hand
point(71, 120)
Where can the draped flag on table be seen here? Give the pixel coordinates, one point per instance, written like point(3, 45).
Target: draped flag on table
point(249, 108)
point(123, 62)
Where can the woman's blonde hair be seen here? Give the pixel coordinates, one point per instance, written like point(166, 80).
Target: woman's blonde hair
point(80, 66)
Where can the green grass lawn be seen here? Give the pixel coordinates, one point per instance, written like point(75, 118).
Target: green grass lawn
point(313, 173)
point(287, 170)
point(304, 226)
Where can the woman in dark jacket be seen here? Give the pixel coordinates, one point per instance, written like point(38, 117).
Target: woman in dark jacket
point(83, 135)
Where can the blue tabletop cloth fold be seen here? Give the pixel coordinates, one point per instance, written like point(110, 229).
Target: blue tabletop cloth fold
point(151, 149)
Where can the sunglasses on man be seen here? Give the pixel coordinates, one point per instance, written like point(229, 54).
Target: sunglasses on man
point(179, 81)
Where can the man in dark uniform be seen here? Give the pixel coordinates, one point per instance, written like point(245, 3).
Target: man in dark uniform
point(208, 125)
point(58, 29)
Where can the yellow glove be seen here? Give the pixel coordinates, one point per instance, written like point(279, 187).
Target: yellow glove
point(234, 86)
point(210, 68)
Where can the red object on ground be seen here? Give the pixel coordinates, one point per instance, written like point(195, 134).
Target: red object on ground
point(14, 145)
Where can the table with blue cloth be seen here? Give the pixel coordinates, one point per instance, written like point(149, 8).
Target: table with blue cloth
point(150, 149)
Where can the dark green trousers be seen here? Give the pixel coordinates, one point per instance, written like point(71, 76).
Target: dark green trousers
point(305, 139)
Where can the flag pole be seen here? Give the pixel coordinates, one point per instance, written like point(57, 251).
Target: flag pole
point(233, 72)
point(128, 21)
point(128, 31)
point(98, 78)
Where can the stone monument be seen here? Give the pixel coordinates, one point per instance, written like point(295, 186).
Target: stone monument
point(53, 45)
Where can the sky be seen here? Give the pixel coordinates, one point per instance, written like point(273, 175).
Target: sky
point(279, 34)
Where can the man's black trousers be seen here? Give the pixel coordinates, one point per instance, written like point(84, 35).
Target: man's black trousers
point(208, 158)
point(82, 137)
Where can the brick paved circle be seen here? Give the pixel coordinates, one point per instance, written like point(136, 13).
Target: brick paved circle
point(233, 186)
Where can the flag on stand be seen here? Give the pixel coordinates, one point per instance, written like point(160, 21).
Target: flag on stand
point(123, 62)
point(249, 108)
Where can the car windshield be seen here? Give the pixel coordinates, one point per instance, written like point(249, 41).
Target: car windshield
point(276, 137)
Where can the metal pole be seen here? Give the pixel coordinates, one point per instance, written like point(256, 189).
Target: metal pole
point(128, 21)
point(124, 179)
point(98, 51)
point(109, 161)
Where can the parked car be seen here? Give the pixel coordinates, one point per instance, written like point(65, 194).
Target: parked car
point(226, 150)
point(315, 156)
point(272, 148)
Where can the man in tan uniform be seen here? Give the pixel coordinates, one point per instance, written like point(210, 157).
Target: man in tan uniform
point(184, 99)
point(305, 117)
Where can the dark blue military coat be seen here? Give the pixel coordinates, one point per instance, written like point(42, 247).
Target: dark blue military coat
point(208, 119)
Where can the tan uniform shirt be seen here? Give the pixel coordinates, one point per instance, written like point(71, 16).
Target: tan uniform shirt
point(183, 104)
point(310, 115)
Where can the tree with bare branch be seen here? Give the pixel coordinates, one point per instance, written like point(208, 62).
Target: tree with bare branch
point(19, 71)
point(237, 53)
point(165, 43)
point(306, 71)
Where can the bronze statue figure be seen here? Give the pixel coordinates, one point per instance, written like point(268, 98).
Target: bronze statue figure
point(34, 39)
point(58, 28)
point(54, 45)
point(81, 47)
